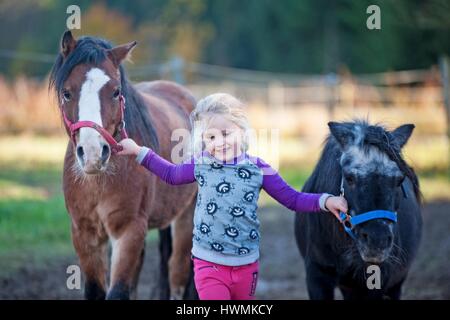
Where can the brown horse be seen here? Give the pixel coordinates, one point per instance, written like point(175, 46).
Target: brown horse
point(111, 198)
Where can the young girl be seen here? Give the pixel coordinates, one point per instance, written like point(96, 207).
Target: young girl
point(225, 247)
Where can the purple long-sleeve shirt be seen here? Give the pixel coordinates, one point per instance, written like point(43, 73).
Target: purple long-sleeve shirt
point(273, 183)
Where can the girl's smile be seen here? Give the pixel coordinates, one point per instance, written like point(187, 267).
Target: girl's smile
point(223, 138)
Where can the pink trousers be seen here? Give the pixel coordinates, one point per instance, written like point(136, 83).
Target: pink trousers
point(218, 282)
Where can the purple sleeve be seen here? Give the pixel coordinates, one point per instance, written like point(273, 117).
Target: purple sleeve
point(174, 174)
point(278, 189)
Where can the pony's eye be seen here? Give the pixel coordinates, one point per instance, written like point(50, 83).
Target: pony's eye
point(116, 93)
point(66, 95)
point(350, 180)
point(400, 180)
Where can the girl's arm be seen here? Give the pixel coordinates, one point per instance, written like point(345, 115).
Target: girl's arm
point(278, 189)
point(174, 174)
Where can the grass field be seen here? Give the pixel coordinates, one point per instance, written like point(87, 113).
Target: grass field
point(34, 224)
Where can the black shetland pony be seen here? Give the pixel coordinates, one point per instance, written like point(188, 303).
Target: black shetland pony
point(366, 161)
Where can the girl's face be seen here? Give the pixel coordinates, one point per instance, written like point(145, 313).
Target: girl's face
point(223, 138)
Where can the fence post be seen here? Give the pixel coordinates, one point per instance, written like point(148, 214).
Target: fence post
point(177, 68)
point(276, 95)
point(445, 74)
point(331, 82)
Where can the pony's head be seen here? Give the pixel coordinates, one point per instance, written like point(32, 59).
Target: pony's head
point(88, 81)
point(373, 172)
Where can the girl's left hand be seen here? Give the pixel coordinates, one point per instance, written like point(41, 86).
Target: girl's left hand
point(129, 147)
point(336, 205)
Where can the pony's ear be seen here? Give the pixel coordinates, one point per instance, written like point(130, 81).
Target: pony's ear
point(68, 43)
point(342, 133)
point(402, 134)
point(119, 53)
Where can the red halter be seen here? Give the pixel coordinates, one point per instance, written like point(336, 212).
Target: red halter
point(115, 147)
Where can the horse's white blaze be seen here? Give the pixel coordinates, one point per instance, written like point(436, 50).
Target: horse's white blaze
point(89, 106)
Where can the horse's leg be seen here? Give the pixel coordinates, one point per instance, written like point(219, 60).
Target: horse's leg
point(180, 260)
point(92, 252)
point(165, 251)
point(134, 284)
point(395, 292)
point(320, 282)
point(126, 259)
point(190, 293)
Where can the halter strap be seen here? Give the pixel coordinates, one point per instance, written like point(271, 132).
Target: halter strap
point(349, 222)
point(115, 147)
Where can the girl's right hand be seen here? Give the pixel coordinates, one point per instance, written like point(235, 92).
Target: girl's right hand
point(129, 147)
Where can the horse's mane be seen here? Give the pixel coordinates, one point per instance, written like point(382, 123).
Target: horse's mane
point(92, 50)
point(327, 173)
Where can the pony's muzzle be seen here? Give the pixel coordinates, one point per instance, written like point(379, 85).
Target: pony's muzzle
point(375, 241)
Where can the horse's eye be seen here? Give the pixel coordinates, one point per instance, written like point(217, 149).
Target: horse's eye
point(116, 94)
point(350, 180)
point(400, 180)
point(66, 95)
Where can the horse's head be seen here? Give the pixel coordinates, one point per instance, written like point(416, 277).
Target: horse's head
point(87, 77)
point(372, 175)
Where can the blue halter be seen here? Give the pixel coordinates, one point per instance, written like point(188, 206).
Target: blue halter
point(350, 222)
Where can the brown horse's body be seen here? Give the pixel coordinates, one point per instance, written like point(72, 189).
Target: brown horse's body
point(121, 207)
point(111, 198)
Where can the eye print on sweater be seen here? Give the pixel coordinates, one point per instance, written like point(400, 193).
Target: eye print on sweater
point(205, 229)
point(236, 212)
point(243, 250)
point(201, 180)
point(215, 166)
point(253, 235)
point(217, 246)
point(243, 173)
point(211, 208)
point(249, 196)
point(231, 232)
point(223, 188)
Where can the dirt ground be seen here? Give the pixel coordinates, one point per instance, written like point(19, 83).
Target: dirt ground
point(282, 274)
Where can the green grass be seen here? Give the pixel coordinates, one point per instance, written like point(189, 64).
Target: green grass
point(34, 223)
point(32, 231)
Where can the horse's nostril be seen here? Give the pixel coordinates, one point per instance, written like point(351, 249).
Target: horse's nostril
point(105, 153)
point(80, 152)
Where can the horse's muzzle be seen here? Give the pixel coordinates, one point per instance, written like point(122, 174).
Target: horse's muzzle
point(93, 160)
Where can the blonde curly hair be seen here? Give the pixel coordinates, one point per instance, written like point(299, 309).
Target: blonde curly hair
point(222, 104)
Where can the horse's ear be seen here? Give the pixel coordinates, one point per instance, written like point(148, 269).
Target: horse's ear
point(68, 43)
point(119, 53)
point(402, 134)
point(341, 132)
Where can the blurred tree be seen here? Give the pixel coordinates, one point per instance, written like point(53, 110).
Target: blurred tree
point(308, 36)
